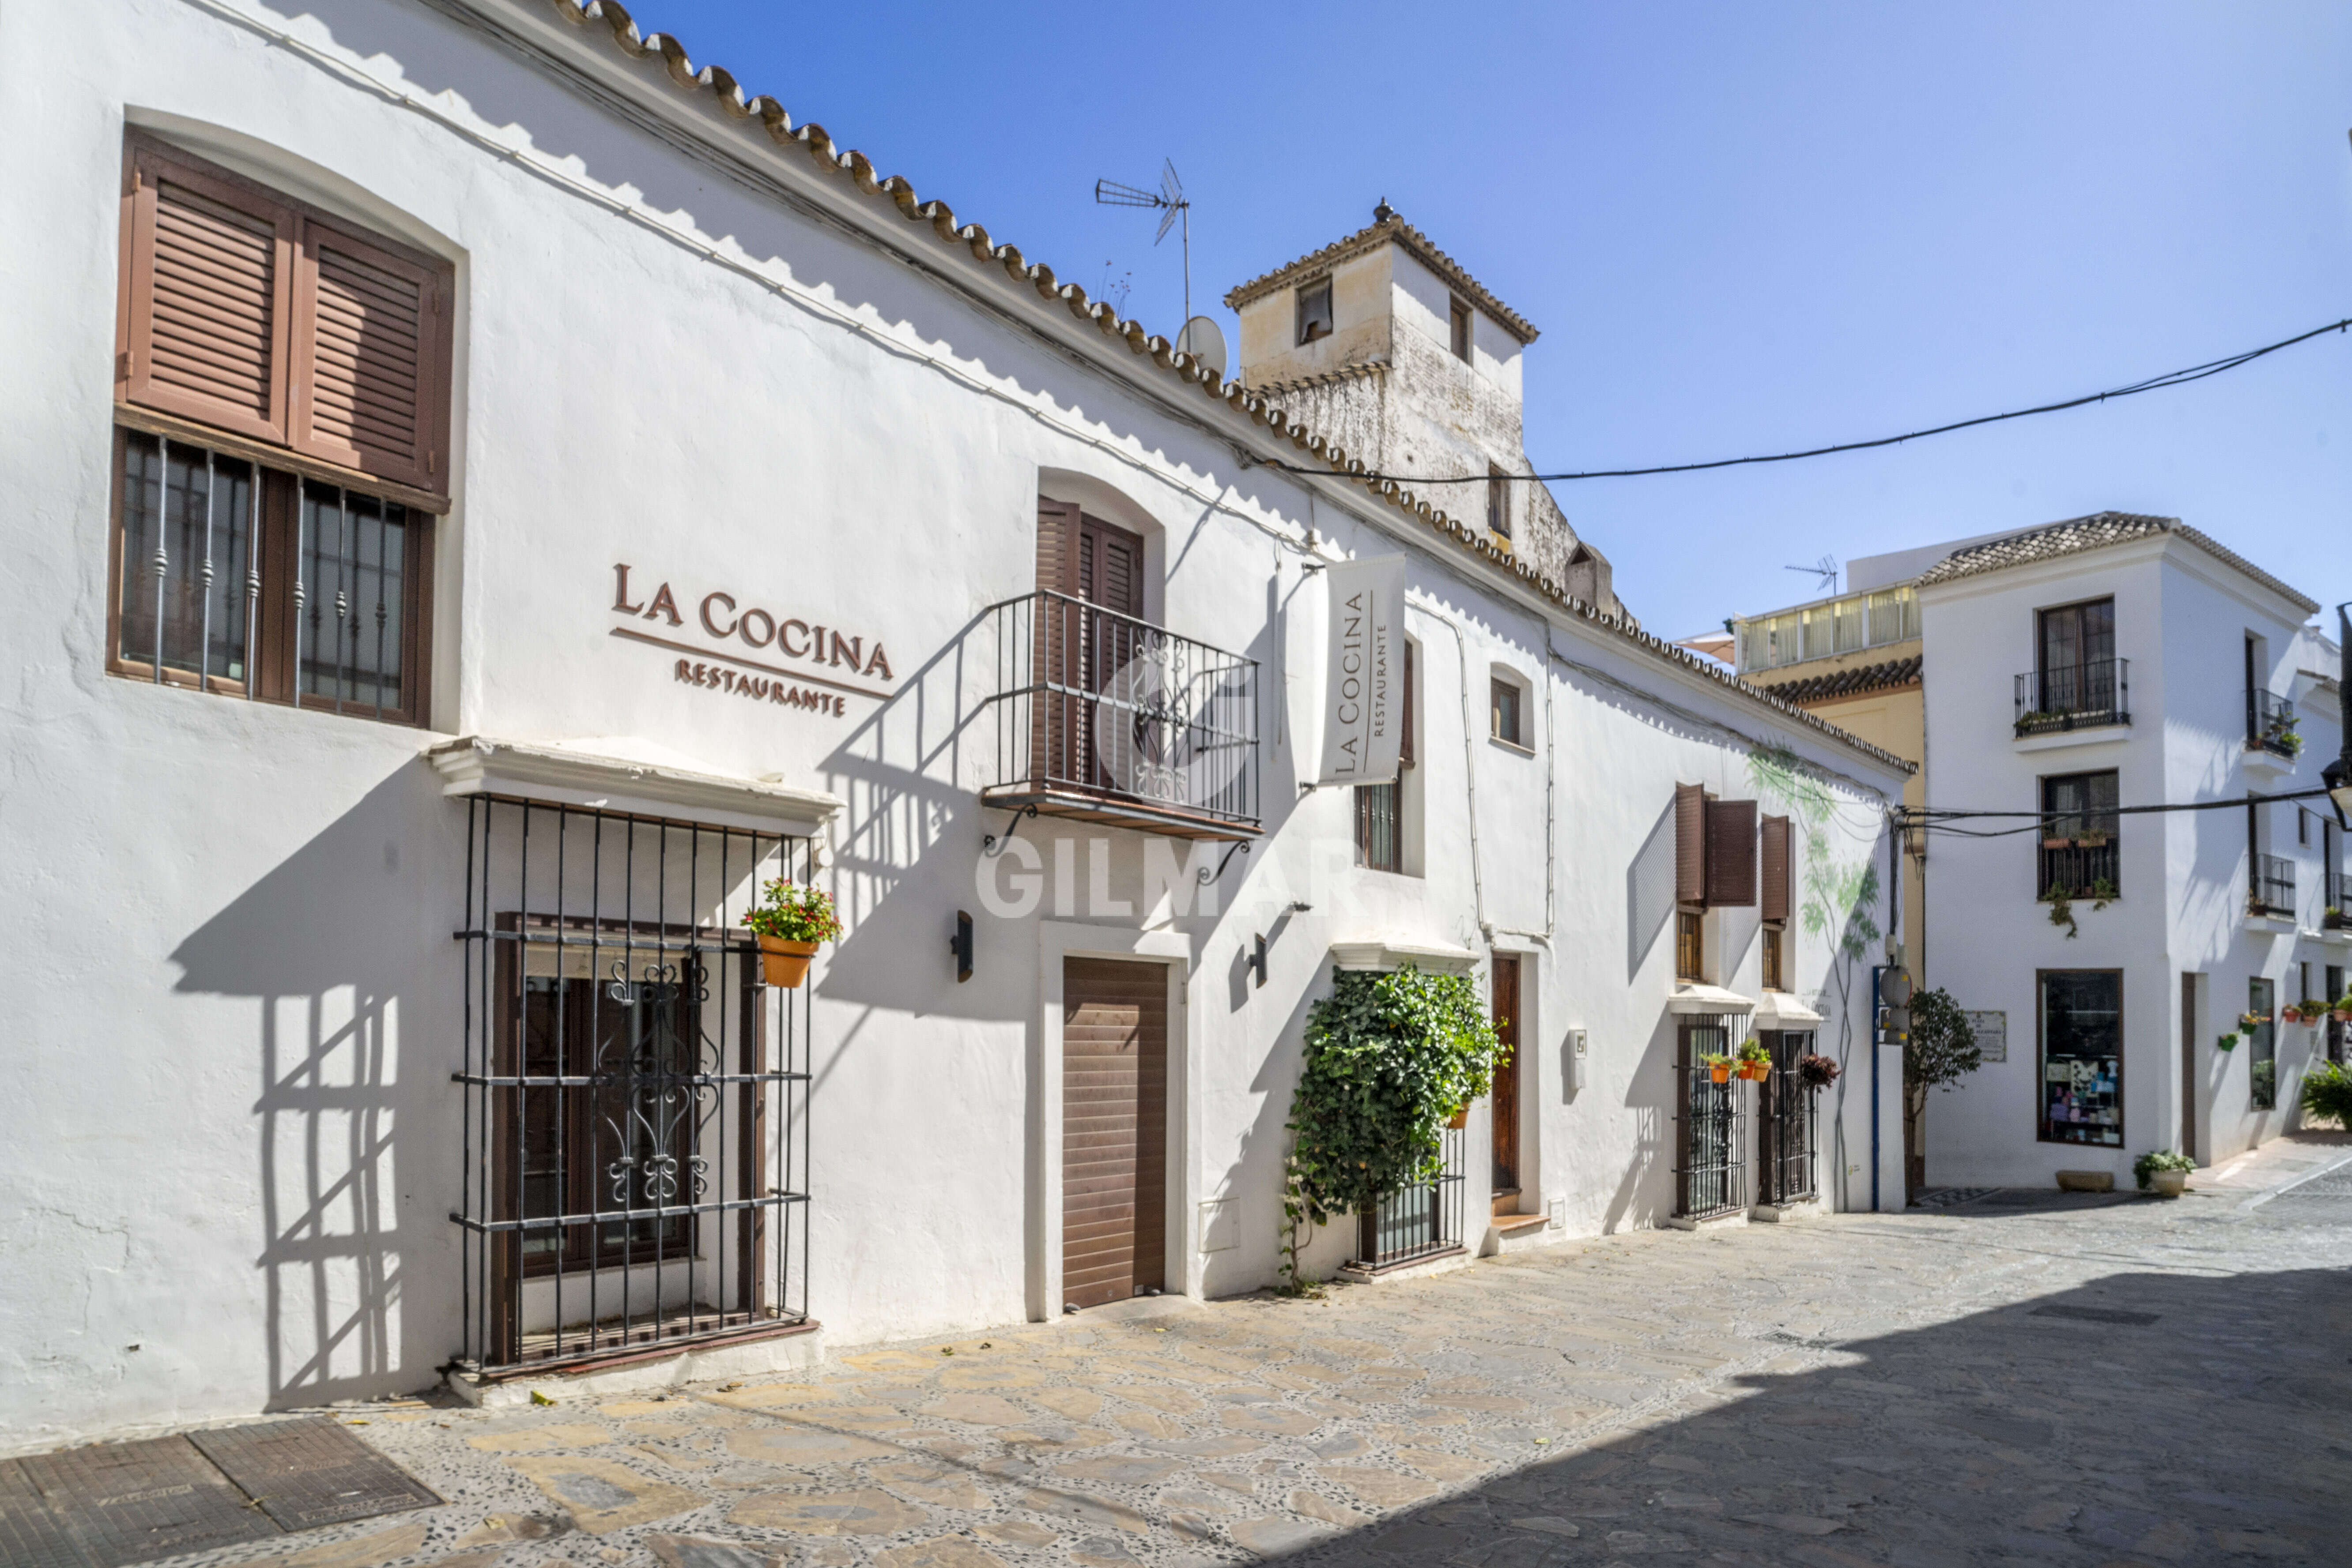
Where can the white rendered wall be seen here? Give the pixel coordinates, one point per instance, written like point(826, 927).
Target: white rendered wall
point(229, 1144)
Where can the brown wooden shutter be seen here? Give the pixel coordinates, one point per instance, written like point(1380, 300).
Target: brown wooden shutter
point(1776, 897)
point(1058, 547)
point(1114, 1129)
point(207, 284)
point(369, 331)
point(1731, 853)
point(1690, 844)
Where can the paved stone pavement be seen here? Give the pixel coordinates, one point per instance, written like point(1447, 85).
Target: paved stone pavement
point(2023, 1378)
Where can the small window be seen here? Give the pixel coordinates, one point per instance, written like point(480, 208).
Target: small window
point(1461, 324)
point(1689, 949)
point(1774, 980)
point(1499, 503)
point(2262, 1046)
point(2082, 1056)
point(1506, 699)
point(1315, 311)
point(235, 578)
point(1380, 839)
point(2079, 856)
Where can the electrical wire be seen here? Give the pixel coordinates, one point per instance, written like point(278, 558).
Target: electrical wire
point(2152, 384)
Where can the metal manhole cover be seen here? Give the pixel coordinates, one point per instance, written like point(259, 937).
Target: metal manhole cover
point(120, 1504)
point(308, 1472)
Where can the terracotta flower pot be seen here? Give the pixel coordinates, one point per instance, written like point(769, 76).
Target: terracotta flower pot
point(2292, 1014)
point(2168, 1184)
point(1461, 1119)
point(783, 962)
point(2342, 1015)
point(1720, 1075)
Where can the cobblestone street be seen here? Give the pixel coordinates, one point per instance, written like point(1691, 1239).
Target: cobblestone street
point(2019, 1378)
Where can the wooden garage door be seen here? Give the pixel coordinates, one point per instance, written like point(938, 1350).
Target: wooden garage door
point(1114, 1129)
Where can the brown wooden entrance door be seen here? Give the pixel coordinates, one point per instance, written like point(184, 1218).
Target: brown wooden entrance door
point(1114, 1130)
point(1507, 1083)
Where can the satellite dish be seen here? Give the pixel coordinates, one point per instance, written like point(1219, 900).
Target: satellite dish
point(1205, 341)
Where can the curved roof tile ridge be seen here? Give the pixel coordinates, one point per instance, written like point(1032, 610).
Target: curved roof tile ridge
point(2097, 530)
point(974, 239)
point(1381, 231)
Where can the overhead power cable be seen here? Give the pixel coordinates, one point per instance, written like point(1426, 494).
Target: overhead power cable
point(1939, 820)
point(2152, 384)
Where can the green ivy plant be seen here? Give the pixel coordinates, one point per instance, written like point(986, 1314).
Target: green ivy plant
point(1391, 1060)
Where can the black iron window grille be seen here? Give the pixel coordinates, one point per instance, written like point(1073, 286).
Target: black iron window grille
point(1785, 1122)
point(2272, 887)
point(2335, 908)
point(2262, 1046)
point(1379, 844)
point(236, 578)
point(1710, 1173)
point(1689, 945)
point(1093, 703)
point(2270, 723)
point(636, 1147)
point(1423, 1220)
point(2073, 697)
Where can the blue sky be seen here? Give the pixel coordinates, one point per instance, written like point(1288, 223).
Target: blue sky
point(1741, 228)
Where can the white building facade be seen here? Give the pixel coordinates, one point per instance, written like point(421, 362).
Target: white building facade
point(487, 497)
point(2120, 661)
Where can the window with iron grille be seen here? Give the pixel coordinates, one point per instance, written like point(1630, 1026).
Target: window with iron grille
point(235, 578)
point(1710, 1172)
point(1774, 980)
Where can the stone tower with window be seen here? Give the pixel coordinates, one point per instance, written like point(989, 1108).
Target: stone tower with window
point(1385, 345)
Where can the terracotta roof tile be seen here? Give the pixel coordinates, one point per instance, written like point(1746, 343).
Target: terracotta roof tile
point(2097, 531)
point(971, 239)
point(1879, 677)
point(1385, 230)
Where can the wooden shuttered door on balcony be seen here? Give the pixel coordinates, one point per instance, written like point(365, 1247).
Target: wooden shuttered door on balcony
point(1690, 844)
point(1114, 1129)
point(250, 313)
point(1731, 853)
point(1775, 865)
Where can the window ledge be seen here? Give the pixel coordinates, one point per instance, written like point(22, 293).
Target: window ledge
point(2054, 740)
point(2270, 764)
point(2277, 925)
point(1385, 954)
point(1511, 745)
point(652, 784)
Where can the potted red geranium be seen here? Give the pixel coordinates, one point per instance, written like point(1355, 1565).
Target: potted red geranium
point(790, 921)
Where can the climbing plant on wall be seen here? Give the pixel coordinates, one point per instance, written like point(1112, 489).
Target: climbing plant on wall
point(1391, 1060)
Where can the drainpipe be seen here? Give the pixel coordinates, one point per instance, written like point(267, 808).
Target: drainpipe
point(1876, 971)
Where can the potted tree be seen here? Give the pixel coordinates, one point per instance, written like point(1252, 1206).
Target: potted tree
point(1755, 1062)
point(2166, 1172)
point(790, 921)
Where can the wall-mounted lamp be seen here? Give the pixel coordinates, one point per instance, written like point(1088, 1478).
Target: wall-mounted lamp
point(960, 946)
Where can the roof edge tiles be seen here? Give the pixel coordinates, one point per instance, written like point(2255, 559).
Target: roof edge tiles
point(1890, 675)
point(1385, 230)
point(612, 19)
point(2098, 530)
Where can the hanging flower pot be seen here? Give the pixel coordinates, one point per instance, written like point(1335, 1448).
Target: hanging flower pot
point(790, 922)
point(1720, 1072)
point(2292, 1014)
point(1460, 1119)
point(2341, 1014)
point(784, 962)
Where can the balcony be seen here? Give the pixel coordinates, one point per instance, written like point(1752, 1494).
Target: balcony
point(2081, 867)
point(2271, 890)
point(2089, 695)
point(2271, 724)
point(1106, 718)
point(2335, 910)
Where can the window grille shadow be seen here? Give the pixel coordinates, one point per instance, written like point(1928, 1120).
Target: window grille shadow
point(348, 987)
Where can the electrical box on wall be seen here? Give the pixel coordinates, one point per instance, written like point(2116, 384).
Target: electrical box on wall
point(1571, 1061)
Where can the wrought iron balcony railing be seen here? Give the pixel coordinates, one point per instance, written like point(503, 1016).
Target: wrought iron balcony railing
point(2272, 891)
point(2080, 868)
point(1108, 719)
point(2073, 696)
point(2336, 906)
point(2271, 724)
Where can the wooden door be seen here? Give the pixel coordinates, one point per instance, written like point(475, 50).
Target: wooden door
point(1506, 1082)
point(1114, 1130)
point(2187, 1144)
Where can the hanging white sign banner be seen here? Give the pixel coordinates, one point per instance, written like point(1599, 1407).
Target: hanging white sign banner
point(1364, 671)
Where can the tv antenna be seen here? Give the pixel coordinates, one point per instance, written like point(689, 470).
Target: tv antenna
point(1826, 569)
point(1176, 210)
